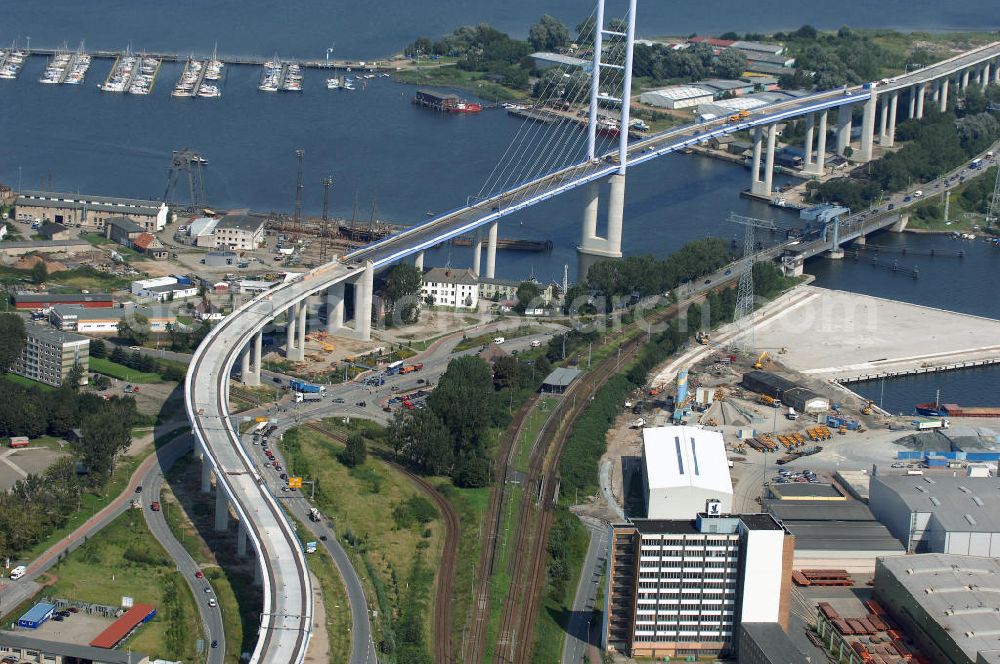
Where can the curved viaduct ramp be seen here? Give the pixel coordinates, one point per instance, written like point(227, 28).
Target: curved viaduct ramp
point(287, 614)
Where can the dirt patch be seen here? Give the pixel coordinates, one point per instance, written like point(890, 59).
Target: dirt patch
point(29, 262)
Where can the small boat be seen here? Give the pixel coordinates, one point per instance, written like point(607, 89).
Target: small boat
point(333, 83)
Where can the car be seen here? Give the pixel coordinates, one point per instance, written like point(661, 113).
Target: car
point(708, 281)
point(215, 644)
point(135, 347)
point(155, 506)
point(64, 614)
point(421, 381)
point(57, 618)
point(361, 404)
point(728, 272)
point(72, 609)
point(211, 602)
point(277, 380)
point(199, 575)
point(284, 476)
point(208, 590)
point(284, 489)
point(338, 400)
point(907, 199)
point(892, 206)
point(898, 465)
point(138, 489)
point(277, 466)
point(322, 538)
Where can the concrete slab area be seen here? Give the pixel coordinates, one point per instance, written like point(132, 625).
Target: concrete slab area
point(835, 334)
point(79, 628)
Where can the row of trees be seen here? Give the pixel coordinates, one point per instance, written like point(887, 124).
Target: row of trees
point(836, 59)
point(663, 64)
point(647, 275)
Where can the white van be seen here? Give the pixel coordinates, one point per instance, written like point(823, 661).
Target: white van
point(918, 193)
point(498, 340)
point(535, 343)
point(17, 572)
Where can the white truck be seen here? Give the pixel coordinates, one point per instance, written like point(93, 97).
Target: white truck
point(791, 414)
point(926, 423)
point(314, 514)
point(17, 572)
point(638, 423)
point(498, 340)
point(308, 396)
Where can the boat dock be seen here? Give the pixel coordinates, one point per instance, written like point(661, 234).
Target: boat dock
point(67, 68)
point(132, 74)
point(252, 60)
point(192, 82)
point(11, 60)
point(278, 75)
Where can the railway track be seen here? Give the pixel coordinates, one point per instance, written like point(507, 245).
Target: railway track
point(475, 643)
point(515, 639)
point(449, 552)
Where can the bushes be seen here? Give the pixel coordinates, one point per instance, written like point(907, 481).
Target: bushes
point(416, 510)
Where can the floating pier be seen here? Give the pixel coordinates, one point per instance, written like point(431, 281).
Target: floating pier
point(132, 74)
point(67, 68)
point(11, 60)
point(199, 79)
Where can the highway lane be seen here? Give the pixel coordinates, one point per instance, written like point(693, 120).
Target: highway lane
point(211, 617)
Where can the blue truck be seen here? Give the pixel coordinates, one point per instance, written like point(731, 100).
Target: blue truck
point(304, 387)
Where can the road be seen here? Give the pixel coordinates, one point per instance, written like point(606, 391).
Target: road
point(580, 632)
point(148, 475)
point(151, 481)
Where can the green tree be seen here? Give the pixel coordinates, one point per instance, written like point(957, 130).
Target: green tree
point(98, 348)
point(585, 31)
point(730, 64)
point(354, 453)
point(106, 434)
point(74, 376)
point(548, 34)
point(527, 294)
point(39, 272)
point(402, 281)
point(134, 328)
point(12, 339)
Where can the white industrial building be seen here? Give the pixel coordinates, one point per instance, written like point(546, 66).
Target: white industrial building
point(683, 470)
point(161, 289)
point(677, 96)
point(946, 603)
point(682, 587)
point(105, 320)
point(939, 514)
point(448, 287)
point(239, 232)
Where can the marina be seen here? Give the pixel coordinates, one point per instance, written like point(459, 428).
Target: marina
point(200, 78)
point(132, 74)
point(67, 68)
point(280, 76)
point(11, 60)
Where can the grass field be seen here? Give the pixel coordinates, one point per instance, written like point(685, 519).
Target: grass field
point(121, 372)
point(27, 382)
point(473, 342)
point(361, 502)
point(125, 559)
point(453, 77)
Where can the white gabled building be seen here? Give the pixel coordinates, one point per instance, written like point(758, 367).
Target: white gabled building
point(683, 469)
point(450, 287)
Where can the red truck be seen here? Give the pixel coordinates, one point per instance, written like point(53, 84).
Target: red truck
point(410, 368)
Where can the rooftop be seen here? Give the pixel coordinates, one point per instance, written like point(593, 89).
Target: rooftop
point(958, 592)
point(697, 526)
point(37, 612)
point(561, 377)
point(126, 225)
point(445, 275)
point(758, 46)
point(678, 92)
point(806, 491)
point(69, 200)
point(678, 456)
point(52, 336)
point(567, 60)
point(241, 222)
point(774, 642)
point(870, 536)
point(818, 510)
point(76, 312)
point(62, 297)
point(83, 653)
point(725, 84)
point(961, 504)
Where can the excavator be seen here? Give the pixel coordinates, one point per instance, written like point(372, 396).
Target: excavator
point(759, 364)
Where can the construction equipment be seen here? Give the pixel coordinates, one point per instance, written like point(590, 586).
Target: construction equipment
point(738, 117)
point(869, 408)
point(768, 400)
point(759, 364)
point(701, 337)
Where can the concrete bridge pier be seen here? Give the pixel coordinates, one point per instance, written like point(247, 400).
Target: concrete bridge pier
point(844, 122)
point(491, 250)
point(913, 103)
point(221, 508)
point(888, 137)
point(477, 254)
point(758, 186)
point(418, 261)
point(258, 578)
point(363, 296)
point(820, 165)
point(860, 240)
point(292, 313)
point(206, 475)
point(900, 225)
point(593, 247)
point(245, 365)
point(921, 91)
point(335, 308)
point(868, 128)
point(241, 542)
point(257, 359)
point(944, 95)
point(300, 329)
point(807, 164)
point(984, 79)
point(965, 81)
